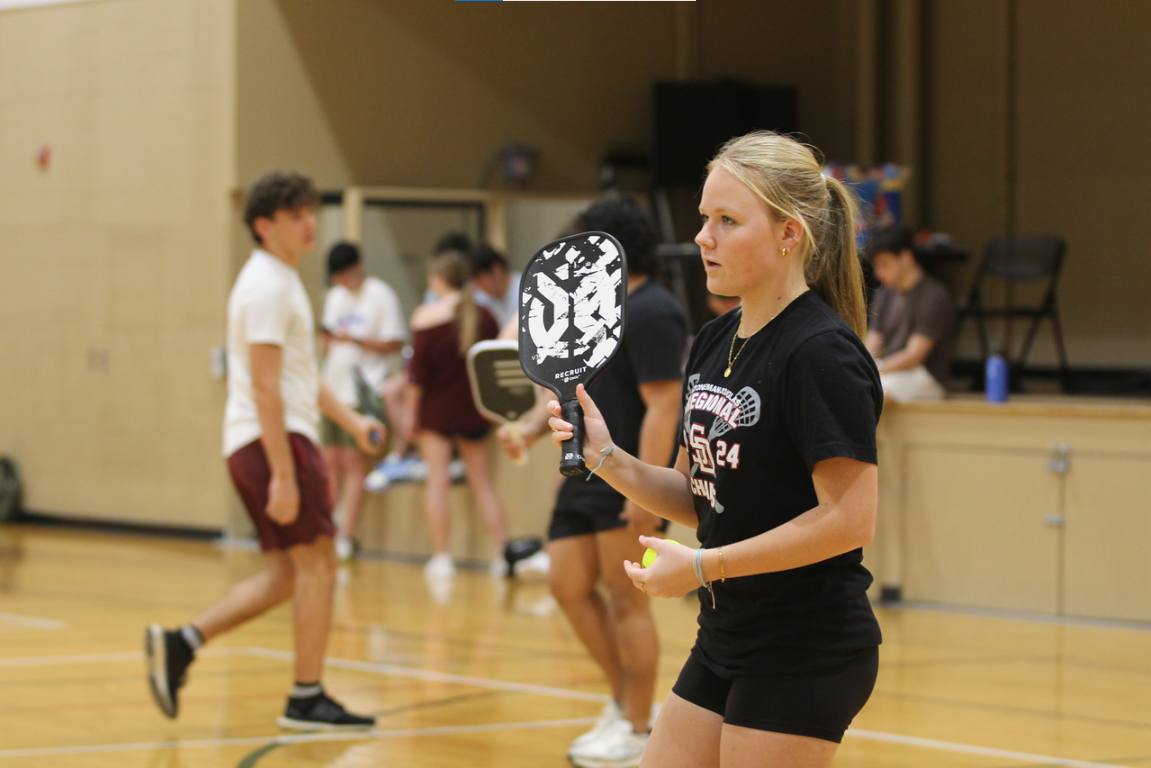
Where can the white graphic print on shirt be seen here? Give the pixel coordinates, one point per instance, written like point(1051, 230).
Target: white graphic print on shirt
point(729, 411)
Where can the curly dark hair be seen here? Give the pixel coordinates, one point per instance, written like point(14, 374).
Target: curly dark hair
point(277, 191)
point(626, 220)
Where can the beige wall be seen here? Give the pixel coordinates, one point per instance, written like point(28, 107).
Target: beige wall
point(1084, 167)
point(423, 94)
point(113, 260)
point(116, 261)
point(1083, 122)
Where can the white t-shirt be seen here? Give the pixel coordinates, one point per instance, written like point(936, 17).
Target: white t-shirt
point(373, 313)
point(268, 305)
point(502, 309)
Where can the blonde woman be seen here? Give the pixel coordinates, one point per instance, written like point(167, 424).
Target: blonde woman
point(439, 412)
point(776, 471)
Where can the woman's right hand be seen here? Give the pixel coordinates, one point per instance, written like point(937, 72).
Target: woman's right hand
point(596, 436)
point(671, 575)
point(514, 441)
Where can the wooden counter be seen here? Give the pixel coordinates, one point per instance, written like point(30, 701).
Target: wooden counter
point(393, 522)
point(1039, 504)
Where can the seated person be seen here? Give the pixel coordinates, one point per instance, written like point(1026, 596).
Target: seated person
point(911, 323)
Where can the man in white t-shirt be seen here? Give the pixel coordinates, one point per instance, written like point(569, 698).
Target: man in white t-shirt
point(363, 326)
point(270, 433)
point(497, 287)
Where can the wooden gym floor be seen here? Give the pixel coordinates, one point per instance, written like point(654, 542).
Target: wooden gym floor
point(491, 677)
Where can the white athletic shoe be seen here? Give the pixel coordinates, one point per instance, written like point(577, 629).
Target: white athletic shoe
point(498, 567)
point(377, 481)
point(455, 471)
point(412, 469)
point(535, 567)
point(345, 548)
point(610, 715)
point(618, 747)
point(440, 566)
point(439, 590)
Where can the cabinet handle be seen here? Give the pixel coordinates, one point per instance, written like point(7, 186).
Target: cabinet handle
point(1053, 521)
point(1060, 462)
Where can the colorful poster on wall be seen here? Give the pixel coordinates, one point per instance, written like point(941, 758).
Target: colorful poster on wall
point(879, 189)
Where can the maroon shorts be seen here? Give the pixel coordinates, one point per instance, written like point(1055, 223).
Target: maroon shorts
point(251, 475)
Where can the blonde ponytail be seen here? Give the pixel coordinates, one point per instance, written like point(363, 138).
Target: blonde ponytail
point(835, 273)
point(467, 319)
point(455, 270)
point(787, 177)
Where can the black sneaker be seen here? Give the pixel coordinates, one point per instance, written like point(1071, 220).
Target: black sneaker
point(322, 713)
point(168, 657)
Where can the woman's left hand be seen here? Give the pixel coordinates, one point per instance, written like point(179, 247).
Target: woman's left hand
point(671, 575)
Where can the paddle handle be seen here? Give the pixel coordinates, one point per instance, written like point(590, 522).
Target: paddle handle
point(571, 461)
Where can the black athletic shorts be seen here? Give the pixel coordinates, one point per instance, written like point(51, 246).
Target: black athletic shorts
point(819, 704)
point(582, 511)
point(471, 437)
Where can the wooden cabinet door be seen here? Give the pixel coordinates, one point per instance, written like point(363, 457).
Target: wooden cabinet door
point(1108, 545)
point(978, 530)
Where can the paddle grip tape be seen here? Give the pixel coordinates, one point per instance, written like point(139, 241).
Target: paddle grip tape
point(571, 462)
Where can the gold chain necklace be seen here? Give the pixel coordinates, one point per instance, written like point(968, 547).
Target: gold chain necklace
point(731, 358)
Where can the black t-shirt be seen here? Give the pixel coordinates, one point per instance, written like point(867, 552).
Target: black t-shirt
point(654, 341)
point(804, 389)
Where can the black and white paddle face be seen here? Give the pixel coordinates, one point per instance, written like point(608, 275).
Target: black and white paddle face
point(572, 298)
point(369, 402)
point(499, 387)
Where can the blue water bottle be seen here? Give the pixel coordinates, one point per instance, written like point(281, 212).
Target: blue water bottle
point(996, 377)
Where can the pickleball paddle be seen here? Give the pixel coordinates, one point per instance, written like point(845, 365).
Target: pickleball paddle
point(572, 298)
point(369, 403)
point(499, 387)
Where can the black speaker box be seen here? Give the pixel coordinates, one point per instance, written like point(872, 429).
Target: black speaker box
point(692, 120)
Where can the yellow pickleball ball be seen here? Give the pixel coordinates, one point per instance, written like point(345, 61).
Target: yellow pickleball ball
point(649, 556)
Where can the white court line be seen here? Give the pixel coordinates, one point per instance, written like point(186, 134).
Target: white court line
point(31, 622)
point(359, 666)
point(440, 677)
point(7, 5)
point(107, 658)
point(969, 749)
point(423, 674)
point(257, 741)
point(85, 658)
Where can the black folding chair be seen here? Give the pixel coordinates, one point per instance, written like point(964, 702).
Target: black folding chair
point(1021, 259)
